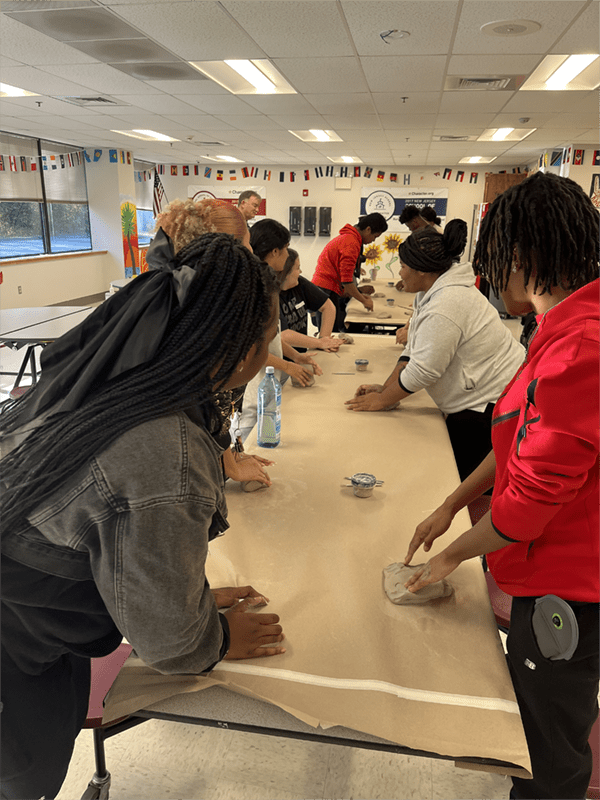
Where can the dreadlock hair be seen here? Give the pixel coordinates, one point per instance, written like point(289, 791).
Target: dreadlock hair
point(185, 220)
point(549, 226)
point(226, 311)
point(288, 266)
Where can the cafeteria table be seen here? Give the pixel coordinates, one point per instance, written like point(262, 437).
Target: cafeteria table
point(401, 311)
point(427, 680)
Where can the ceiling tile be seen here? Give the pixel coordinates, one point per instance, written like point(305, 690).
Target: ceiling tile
point(491, 64)
point(551, 102)
point(398, 139)
point(250, 122)
point(204, 121)
point(159, 103)
point(279, 104)
point(511, 120)
point(9, 62)
point(447, 121)
point(195, 31)
point(220, 104)
point(358, 122)
point(582, 36)
point(400, 121)
point(416, 102)
point(302, 122)
point(37, 80)
point(477, 102)
point(470, 40)
point(322, 75)
point(287, 30)
point(404, 74)
point(342, 103)
point(187, 87)
point(430, 26)
point(40, 50)
point(101, 78)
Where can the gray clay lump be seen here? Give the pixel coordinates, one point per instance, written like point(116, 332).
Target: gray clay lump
point(396, 575)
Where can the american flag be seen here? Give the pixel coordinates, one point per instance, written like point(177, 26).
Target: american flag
point(158, 195)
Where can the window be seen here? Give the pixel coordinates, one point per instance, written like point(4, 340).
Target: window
point(43, 198)
point(144, 177)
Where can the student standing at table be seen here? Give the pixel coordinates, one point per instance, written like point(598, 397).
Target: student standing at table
point(113, 490)
point(458, 348)
point(298, 297)
point(429, 215)
point(538, 247)
point(411, 217)
point(335, 268)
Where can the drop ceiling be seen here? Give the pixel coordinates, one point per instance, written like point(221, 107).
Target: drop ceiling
point(384, 98)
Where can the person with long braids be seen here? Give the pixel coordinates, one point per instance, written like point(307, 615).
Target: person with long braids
point(458, 349)
point(538, 247)
point(113, 488)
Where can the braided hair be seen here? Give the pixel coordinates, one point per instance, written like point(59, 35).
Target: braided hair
point(227, 310)
point(549, 226)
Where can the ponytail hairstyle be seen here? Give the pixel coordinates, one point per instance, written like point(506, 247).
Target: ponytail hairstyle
point(426, 250)
point(546, 224)
point(227, 309)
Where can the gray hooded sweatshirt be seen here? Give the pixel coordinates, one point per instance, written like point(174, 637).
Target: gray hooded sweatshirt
point(459, 349)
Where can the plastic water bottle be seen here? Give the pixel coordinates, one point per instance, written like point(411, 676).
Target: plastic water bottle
point(269, 410)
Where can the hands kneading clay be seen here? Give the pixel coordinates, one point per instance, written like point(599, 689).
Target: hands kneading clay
point(253, 486)
point(345, 337)
point(378, 294)
point(396, 575)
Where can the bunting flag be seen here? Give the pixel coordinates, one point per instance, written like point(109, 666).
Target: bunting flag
point(437, 174)
point(460, 175)
point(53, 162)
point(569, 155)
point(343, 172)
point(380, 175)
point(516, 170)
point(596, 159)
point(556, 158)
point(254, 172)
point(306, 174)
point(23, 164)
point(281, 177)
point(473, 178)
point(112, 156)
point(292, 177)
point(2, 164)
point(70, 160)
point(368, 172)
point(196, 169)
point(447, 173)
point(245, 173)
point(85, 155)
point(578, 158)
point(62, 162)
point(545, 159)
point(406, 179)
point(233, 175)
point(267, 175)
point(158, 195)
point(319, 172)
point(161, 169)
point(394, 177)
point(541, 159)
point(219, 174)
point(34, 164)
point(128, 157)
point(207, 172)
point(173, 169)
point(329, 172)
point(185, 171)
point(122, 156)
point(357, 172)
point(12, 160)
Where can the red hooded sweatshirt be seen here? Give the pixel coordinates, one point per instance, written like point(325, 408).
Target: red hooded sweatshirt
point(338, 259)
point(545, 438)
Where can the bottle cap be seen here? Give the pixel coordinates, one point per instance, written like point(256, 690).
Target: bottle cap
point(270, 370)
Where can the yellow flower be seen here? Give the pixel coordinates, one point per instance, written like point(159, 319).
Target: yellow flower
point(392, 241)
point(372, 254)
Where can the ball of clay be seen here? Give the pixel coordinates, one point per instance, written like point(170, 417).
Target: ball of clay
point(296, 382)
point(366, 290)
point(253, 486)
point(396, 575)
point(384, 315)
point(345, 337)
point(379, 294)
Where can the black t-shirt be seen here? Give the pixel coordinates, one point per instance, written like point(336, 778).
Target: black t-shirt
point(294, 305)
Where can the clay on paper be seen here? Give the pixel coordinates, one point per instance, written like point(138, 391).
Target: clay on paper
point(345, 337)
point(253, 486)
point(378, 294)
point(384, 315)
point(395, 576)
point(296, 382)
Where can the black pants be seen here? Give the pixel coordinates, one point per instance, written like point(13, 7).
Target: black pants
point(340, 304)
point(558, 702)
point(471, 438)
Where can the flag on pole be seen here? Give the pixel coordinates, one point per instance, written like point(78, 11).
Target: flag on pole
point(556, 158)
point(23, 164)
point(34, 164)
point(343, 172)
point(281, 177)
point(196, 169)
point(578, 158)
point(2, 164)
point(12, 160)
point(596, 159)
point(158, 195)
point(112, 156)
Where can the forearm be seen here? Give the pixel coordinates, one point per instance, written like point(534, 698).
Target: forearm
point(278, 363)
point(289, 351)
point(478, 482)
point(351, 290)
point(392, 380)
point(477, 541)
point(327, 319)
point(296, 339)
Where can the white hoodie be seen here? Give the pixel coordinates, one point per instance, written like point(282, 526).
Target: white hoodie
point(459, 349)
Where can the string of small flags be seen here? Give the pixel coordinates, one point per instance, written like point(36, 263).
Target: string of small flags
point(49, 163)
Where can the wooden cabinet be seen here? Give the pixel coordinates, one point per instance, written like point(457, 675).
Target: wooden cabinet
point(496, 183)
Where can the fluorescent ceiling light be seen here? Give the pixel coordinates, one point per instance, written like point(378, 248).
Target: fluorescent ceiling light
point(477, 159)
point(505, 134)
point(565, 73)
point(501, 134)
point(147, 136)
point(230, 159)
point(243, 76)
point(316, 135)
point(345, 159)
point(13, 91)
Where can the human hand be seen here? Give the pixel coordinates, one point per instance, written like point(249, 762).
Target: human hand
point(400, 286)
point(328, 344)
point(368, 303)
point(366, 402)
point(249, 469)
point(428, 531)
point(366, 289)
point(264, 461)
point(367, 388)
point(303, 375)
point(434, 570)
point(402, 335)
point(231, 595)
point(250, 632)
point(304, 358)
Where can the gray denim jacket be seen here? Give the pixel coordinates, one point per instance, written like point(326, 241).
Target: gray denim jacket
point(137, 520)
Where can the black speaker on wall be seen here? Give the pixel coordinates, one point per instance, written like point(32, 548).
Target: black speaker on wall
point(295, 220)
point(310, 220)
point(325, 221)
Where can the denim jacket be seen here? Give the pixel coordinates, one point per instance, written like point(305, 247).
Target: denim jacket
point(137, 520)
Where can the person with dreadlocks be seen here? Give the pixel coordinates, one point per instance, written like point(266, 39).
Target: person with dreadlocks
point(458, 349)
point(538, 247)
point(113, 488)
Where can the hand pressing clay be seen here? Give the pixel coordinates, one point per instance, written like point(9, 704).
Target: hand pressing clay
point(396, 575)
point(378, 294)
point(384, 315)
point(298, 385)
point(253, 486)
point(345, 337)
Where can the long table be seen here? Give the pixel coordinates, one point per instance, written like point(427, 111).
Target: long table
point(400, 312)
point(429, 680)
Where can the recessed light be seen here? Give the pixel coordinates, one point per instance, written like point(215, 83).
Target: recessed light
point(147, 136)
point(316, 135)
point(13, 91)
point(344, 160)
point(569, 73)
point(221, 159)
point(477, 159)
point(505, 134)
point(243, 76)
